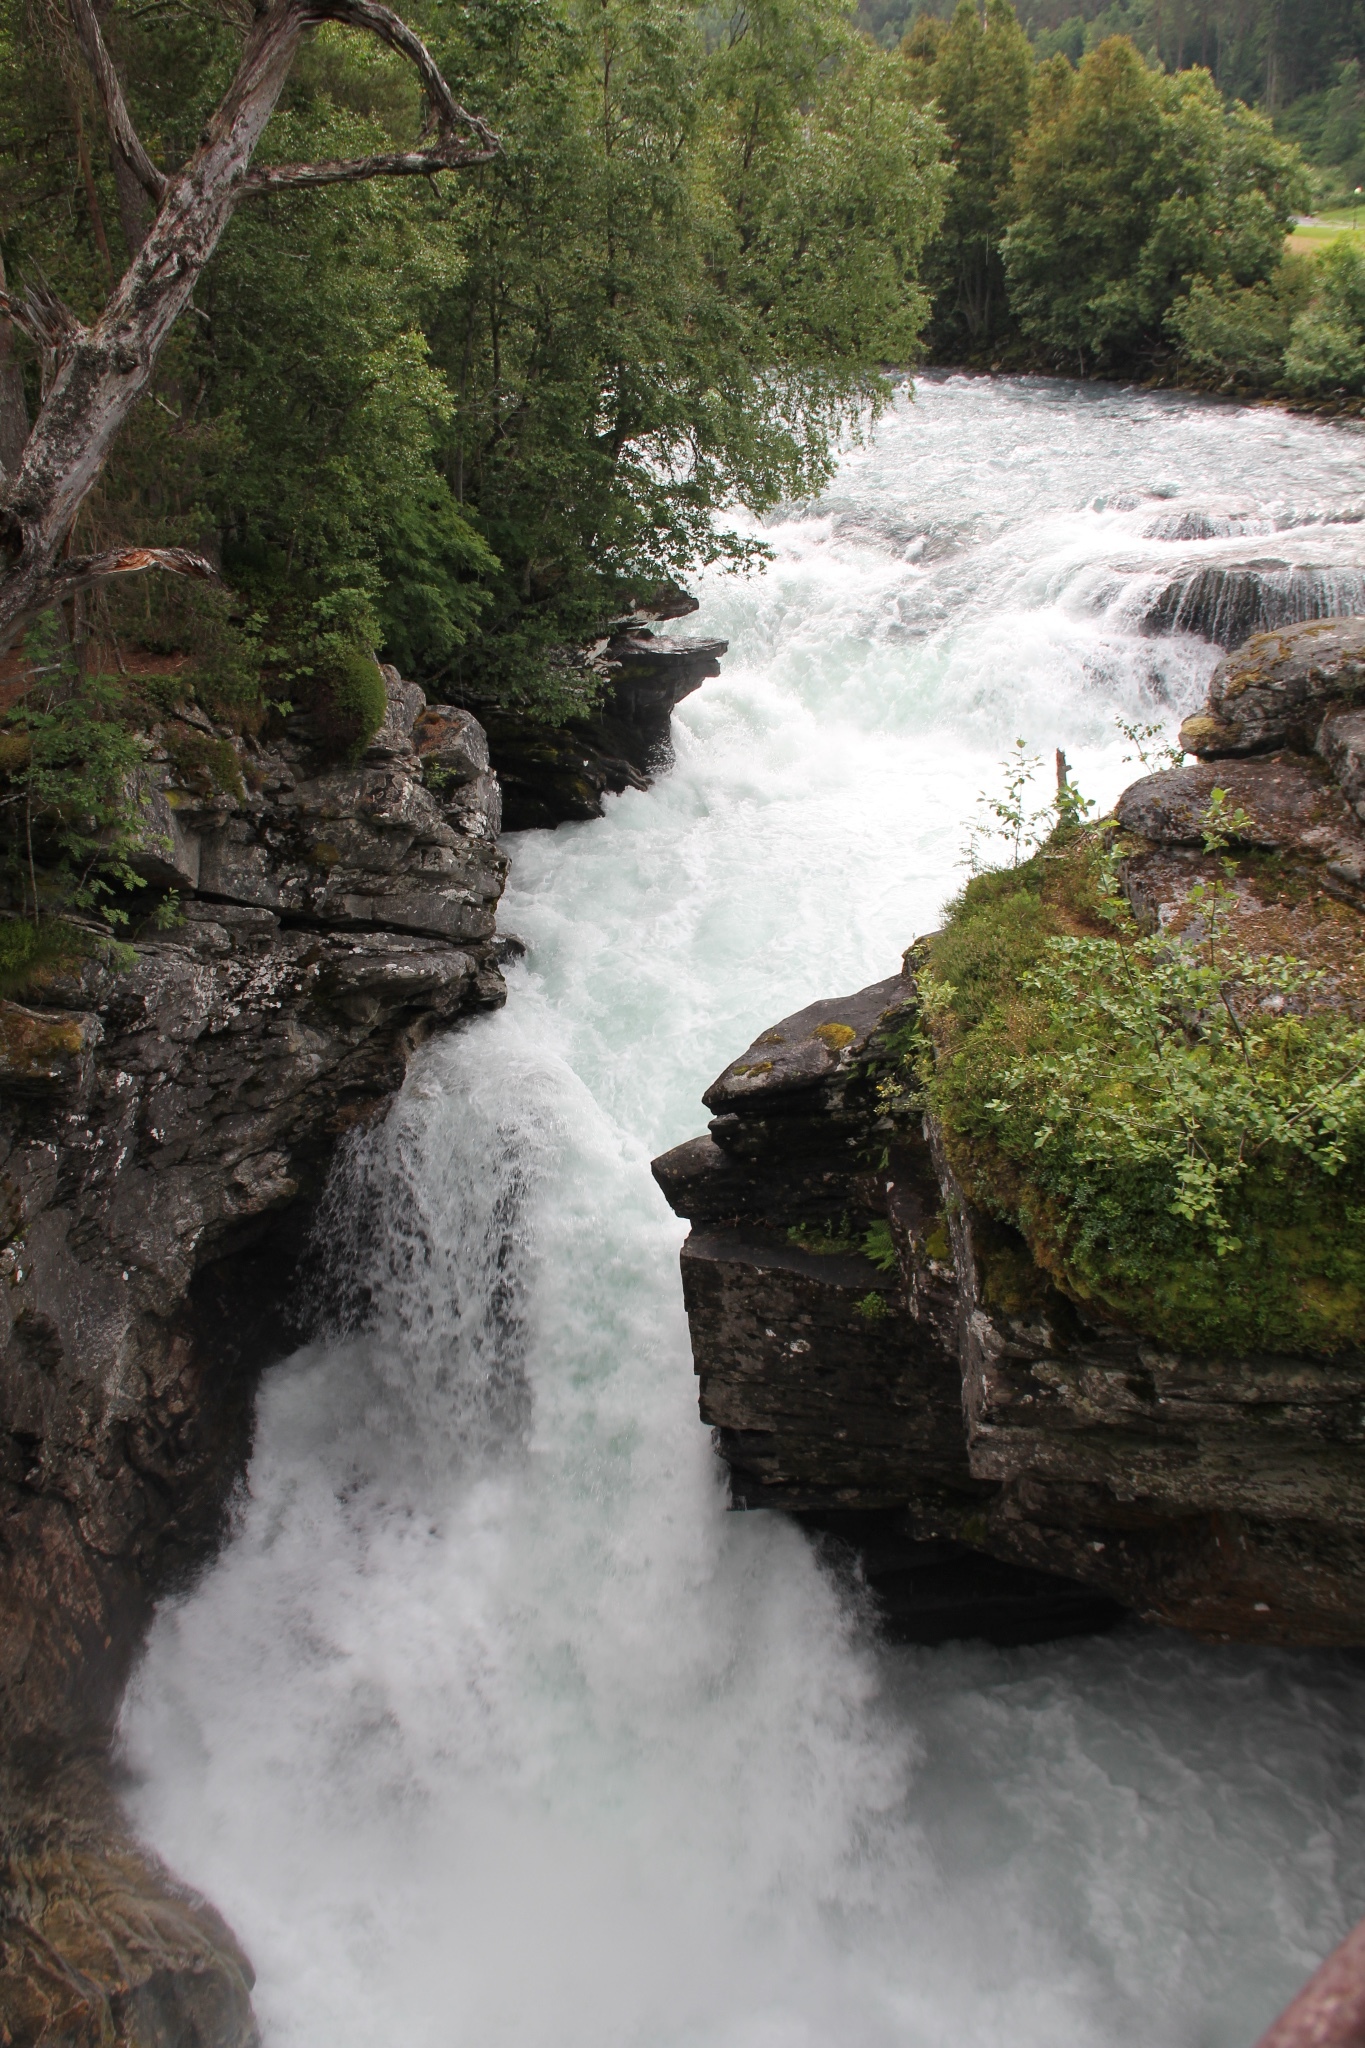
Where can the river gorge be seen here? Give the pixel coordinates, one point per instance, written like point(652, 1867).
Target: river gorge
point(489, 1724)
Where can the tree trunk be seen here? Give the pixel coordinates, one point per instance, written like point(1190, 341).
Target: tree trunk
point(98, 373)
point(13, 404)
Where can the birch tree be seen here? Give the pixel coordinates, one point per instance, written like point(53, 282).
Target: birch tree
point(92, 376)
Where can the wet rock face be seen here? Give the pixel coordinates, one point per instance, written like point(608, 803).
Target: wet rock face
point(107, 1948)
point(1228, 603)
point(165, 1129)
point(831, 1377)
point(976, 1413)
point(552, 775)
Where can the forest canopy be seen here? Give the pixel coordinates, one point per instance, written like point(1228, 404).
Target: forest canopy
point(464, 421)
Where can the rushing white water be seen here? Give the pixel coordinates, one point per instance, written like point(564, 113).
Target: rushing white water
point(490, 1728)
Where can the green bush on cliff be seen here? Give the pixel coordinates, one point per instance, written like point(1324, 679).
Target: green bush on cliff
point(1176, 1126)
point(346, 697)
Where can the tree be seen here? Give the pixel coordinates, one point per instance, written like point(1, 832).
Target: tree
point(1326, 349)
point(94, 374)
point(679, 281)
point(978, 76)
point(1129, 185)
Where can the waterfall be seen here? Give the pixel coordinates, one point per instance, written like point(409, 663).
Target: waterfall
point(490, 1728)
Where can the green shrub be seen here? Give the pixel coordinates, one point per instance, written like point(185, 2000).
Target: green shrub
point(203, 762)
point(1175, 1126)
point(28, 951)
point(1326, 350)
point(347, 700)
point(1241, 333)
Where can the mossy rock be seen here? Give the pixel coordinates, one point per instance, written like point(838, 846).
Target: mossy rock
point(348, 703)
point(1284, 1270)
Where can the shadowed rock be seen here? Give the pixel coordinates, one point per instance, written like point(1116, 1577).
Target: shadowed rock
point(1228, 604)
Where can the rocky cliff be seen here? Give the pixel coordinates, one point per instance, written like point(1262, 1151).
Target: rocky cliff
point(879, 1355)
point(559, 774)
point(166, 1126)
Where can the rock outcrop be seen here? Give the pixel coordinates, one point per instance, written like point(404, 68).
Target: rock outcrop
point(166, 1126)
point(1227, 602)
point(831, 1376)
point(557, 774)
point(945, 1386)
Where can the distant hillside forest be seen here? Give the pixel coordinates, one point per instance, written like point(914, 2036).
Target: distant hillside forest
point(1112, 214)
point(1301, 61)
point(1282, 55)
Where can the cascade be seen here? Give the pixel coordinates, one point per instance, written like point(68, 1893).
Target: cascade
point(490, 1728)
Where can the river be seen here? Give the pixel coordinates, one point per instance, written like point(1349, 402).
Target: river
point(490, 1728)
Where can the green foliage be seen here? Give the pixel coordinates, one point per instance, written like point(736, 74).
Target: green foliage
point(202, 762)
point(30, 952)
point(1238, 334)
point(1149, 743)
point(873, 1308)
point(1129, 186)
point(879, 1246)
point(835, 1239)
point(1326, 349)
point(346, 698)
point(679, 282)
point(1302, 330)
point(466, 421)
point(1007, 816)
point(978, 75)
point(69, 764)
point(1175, 1125)
point(1329, 127)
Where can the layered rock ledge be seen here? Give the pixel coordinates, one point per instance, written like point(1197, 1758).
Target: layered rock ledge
point(559, 774)
point(878, 1355)
point(166, 1127)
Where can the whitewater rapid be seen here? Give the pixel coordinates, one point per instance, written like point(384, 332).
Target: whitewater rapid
point(490, 1728)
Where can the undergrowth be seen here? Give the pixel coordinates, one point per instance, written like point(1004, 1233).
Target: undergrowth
point(1174, 1124)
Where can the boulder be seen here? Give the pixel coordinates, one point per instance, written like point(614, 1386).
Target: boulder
point(1277, 689)
point(1289, 802)
point(559, 774)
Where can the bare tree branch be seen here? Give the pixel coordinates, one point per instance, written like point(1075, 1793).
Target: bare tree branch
point(447, 113)
point(37, 312)
point(415, 163)
point(82, 572)
point(125, 136)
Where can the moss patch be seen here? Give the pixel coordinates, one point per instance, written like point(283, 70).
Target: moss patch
point(1175, 1127)
point(348, 702)
point(835, 1036)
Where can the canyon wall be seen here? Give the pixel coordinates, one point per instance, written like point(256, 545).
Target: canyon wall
point(167, 1126)
point(168, 1120)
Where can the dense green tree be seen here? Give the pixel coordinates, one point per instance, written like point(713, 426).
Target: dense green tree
point(977, 75)
point(1129, 185)
point(679, 281)
point(400, 416)
point(1236, 335)
point(1326, 347)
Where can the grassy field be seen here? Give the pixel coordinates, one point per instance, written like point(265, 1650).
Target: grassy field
point(1312, 235)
